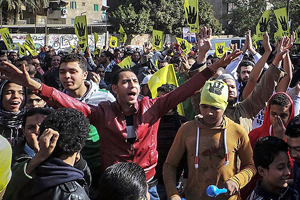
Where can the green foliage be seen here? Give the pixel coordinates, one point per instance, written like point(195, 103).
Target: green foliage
point(143, 16)
point(246, 15)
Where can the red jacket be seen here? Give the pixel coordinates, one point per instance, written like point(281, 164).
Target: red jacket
point(110, 122)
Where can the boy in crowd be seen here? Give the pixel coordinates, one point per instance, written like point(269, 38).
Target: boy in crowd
point(212, 142)
point(272, 162)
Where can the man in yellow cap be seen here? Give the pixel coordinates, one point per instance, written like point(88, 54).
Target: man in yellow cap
point(212, 143)
point(5, 160)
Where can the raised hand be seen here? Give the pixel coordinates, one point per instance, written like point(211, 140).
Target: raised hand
point(226, 59)
point(283, 23)
point(15, 75)
point(266, 43)
point(157, 40)
point(220, 49)
point(263, 25)
point(283, 48)
point(81, 29)
point(203, 39)
point(192, 15)
point(182, 45)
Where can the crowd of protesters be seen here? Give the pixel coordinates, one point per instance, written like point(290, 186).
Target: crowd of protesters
point(240, 129)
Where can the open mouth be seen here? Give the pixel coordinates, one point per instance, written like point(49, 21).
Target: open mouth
point(132, 94)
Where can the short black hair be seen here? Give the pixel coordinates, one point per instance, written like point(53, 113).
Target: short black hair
point(293, 127)
point(266, 149)
point(280, 99)
point(35, 111)
point(109, 55)
point(166, 88)
point(74, 57)
point(116, 75)
point(244, 63)
point(73, 129)
point(123, 181)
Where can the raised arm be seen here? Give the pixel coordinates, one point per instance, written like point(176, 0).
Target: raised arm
point(284, 84)
point(257, 70)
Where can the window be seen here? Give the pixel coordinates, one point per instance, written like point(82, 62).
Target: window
point(83, 3)
point(95, 7)
point(73, 5)
point(72, 21)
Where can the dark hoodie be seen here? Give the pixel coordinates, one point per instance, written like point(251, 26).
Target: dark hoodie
point(255, 134)
point(56, 180)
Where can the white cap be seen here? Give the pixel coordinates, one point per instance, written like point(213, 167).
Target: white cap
point(146, 79)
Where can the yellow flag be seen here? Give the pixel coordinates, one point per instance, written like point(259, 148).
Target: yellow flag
point(157, 40)
point(282, 22)
point(163, 76)
point(7, 39)
point(191, 15)
point(22, 50)
point(30, 46)
point(277, 37)
point(220, 49)
point(123, 35)
point(81, 31)
point(113, 41)
point(297, 33)
point(126, 63)
point(262, 25)
point(96, 38)
point(185, 46)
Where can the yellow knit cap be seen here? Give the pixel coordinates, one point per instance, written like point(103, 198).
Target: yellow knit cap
point(215, 93)
point(5, 160)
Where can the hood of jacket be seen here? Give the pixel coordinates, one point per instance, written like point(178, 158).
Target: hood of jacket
point(53, 172)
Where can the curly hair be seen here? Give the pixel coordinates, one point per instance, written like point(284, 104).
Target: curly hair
point(73, 129)
point(123, 181)
point(74, 57)
point(280, 99)
point(266, 149)
point(293, 128)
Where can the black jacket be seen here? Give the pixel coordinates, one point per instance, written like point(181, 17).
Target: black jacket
point(56, 180)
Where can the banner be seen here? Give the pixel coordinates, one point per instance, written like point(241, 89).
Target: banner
point(297, 33)
point(123, 36)
point(262, 25)
point(29, 45)
point(81, 31)
point(220, 49)
point(254, 40)
point(96, 38)
point(157, 40)
point(191, 15)
point(185, 46)
point(163, 76)
point(282, 22)
point(22, 50)
point(7, 39)
point(113, 42)
point(126, 63)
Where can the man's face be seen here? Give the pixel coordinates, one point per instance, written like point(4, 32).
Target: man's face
point(208, 62)
point(117, 54)
point(31, 129)
point(232, 96)
point(13, 56)
point(72, 76)
point(127, 89)
point(101, 72)
point(55, 61)
point(279, 111)
point(212, 116)
point(294, 146)
point(278, 173)
point(3, 58)
point(244, 74)
point(35, 101)
point(13, 97)
point(103, 59)
point(135, 57)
